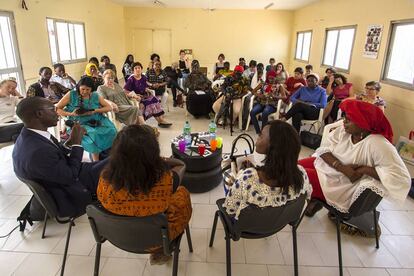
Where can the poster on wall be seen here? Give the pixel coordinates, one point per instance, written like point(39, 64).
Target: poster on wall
point(373, 40)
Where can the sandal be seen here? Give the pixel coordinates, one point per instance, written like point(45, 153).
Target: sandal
point(164, 125)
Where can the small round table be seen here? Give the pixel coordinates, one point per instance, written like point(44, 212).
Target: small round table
point(202, 173)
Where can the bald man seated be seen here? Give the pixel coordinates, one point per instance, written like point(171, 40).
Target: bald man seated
point(38, 156)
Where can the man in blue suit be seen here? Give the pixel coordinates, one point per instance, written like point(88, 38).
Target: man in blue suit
point(38, 156)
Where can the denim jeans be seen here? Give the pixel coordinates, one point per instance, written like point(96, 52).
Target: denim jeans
point(266, 110)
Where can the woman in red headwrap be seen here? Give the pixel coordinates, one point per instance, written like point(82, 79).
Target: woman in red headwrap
point(358, 156)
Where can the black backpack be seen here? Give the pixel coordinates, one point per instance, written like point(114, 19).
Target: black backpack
point(33, 211)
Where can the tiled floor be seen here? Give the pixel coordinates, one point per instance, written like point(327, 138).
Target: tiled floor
point(27, 254)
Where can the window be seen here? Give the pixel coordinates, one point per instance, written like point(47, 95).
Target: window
point(338, 47)
point(10, 66)
point(399, 64)
point(67, 41)
point(303, 43)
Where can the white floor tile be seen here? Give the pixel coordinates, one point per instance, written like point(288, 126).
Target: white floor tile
point(39, 264)
point(117, 266)
point(398, 222)
point(10, 261)
point(203, 216)
point(13, 210)
point(326, 244)
point(264, 251)
point(200, 198)
point(401, 247)
point(110, 251)
point(217, 253)
point(81, 265)
point(367, 272)
point(210, 269)
point(400, 272)
point(34, 243)
point(305, 270)
point(307, 251)
point(6, 201)
point(249, 270)
point(199, 239)
point(164, 270)
point(371, 256)
point(16, 237)
point(81, 240)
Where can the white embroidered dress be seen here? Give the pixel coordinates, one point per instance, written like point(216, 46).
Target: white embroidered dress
point(249, 189)
point(374, 151)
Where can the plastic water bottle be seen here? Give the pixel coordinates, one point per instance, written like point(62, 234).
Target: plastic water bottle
point(187, 133)
point(212, 129)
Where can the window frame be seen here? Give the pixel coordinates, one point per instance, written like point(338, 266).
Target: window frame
point(386, 60)
point(16, 49)
point(310, 45)
point(57, 43)
point(339, 28)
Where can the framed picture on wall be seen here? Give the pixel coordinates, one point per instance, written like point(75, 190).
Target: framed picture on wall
point(372, 41)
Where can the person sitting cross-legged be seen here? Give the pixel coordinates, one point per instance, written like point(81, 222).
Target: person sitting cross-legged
point(307, 102)
point(38, 156)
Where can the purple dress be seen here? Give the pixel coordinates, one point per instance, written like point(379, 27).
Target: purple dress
point(151, 105)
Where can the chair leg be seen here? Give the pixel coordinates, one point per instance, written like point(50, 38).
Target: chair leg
point(228, 256)
point(44, 225)
point(65, 254)
point(97, 258)
point(188, 235)
point(338, 236)
point(213, 231)
point(295, 251)
point(175, 261)
point(376, 229)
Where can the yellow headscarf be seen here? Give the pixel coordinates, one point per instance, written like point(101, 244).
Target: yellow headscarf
point(88, 69)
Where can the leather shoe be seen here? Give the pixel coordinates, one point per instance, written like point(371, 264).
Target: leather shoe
point(313, 207)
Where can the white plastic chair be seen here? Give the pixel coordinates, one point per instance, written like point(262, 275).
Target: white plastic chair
point(242, 111)
point(317, 123)
point(280, 104)
point(327, 129)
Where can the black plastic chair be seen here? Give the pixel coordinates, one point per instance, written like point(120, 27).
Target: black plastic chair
point(366, 202)
point(257, 223)
point(133, 234)
point(48, 203)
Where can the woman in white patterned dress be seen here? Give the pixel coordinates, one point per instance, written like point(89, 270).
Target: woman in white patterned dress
point(279, 180)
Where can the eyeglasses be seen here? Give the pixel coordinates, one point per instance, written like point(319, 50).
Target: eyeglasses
point(370, 88)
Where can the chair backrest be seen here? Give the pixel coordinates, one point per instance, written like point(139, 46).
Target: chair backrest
point(366, 202)
point(44, 198)
point(132, 234)
point(327, 129)
point(270, 220)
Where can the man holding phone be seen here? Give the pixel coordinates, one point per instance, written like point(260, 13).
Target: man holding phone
point(38, 156)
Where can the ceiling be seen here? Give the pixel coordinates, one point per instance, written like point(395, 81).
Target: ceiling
point(219, 4)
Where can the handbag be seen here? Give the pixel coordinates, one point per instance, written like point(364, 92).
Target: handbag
point(309, 139)
point(229, 167)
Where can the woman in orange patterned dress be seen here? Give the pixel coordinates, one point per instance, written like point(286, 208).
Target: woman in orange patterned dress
point(138, 182)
